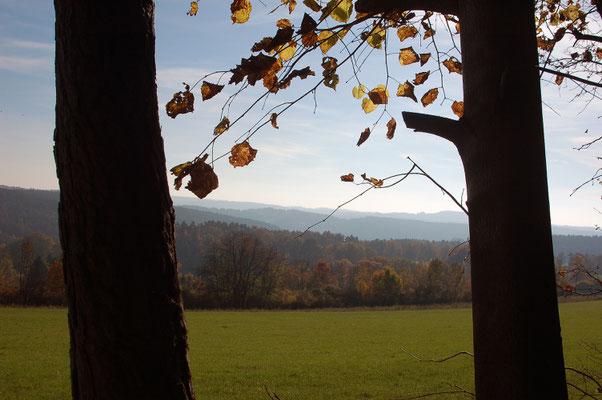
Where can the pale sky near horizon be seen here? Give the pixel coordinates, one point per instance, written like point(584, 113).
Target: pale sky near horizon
point(300, 163)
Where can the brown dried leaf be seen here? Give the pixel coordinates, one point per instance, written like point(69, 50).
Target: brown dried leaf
point(421, 77)
point(429, 97)
point(429, 33)
point(374, 181)
point(458, 108)
point(391, 126)
point(203, 179)
point(559, 79)
point(453, 65)
point(406, 90)
point(181, 103)
point(254, 68)
point(348, 178)
point(208, 90)
point(309, 39)
point(364, 136)
point(273, 118)
point(242, 154)
point(222, 127)
point(407, 56)
point(545, 44)
point(194, 8)
point(301, 73)
point(241, 11)
point(378, 95)
point(406, 31)
point(308, 24)
point(424, 57)
point(599, 53)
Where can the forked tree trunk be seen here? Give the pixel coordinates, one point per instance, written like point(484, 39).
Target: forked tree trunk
point(518, 347)
point(128, 335)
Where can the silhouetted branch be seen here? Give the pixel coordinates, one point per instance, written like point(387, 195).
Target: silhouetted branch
point(422, 396)
point(379, 6)
point(272, 395)
point(587, 145)
point(445, 128)
point(437, 361)
point(571, 77)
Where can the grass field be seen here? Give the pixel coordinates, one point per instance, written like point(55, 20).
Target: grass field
point(299, 355)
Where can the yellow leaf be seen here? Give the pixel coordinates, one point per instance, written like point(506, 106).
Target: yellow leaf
point(406, 31)
point(194, 8)
point(342, 10)
point(222, 127)
point(283, 23)
point(241, 11)
point(242, 154)
point(391, 125)
point(429, 97)
point(408, 56)
point(376, 37)
point(572, 12)
point(359, 92)
point(458, 108)
point(327, 40)
point(368, 106)
point(406, 90)
point(287, 51)
point(312, 5)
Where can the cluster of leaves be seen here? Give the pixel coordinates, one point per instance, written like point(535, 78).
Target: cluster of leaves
point(324, 25)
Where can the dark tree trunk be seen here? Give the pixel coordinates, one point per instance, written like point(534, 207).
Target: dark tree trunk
point(518, 347)
point(128, 335)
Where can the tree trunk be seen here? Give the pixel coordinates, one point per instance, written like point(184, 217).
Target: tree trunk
point(128, 335)
point(518, 347)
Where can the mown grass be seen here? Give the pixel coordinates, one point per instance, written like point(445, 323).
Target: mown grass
point(297, 354)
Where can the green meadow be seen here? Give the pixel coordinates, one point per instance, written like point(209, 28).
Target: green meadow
point(296, 354)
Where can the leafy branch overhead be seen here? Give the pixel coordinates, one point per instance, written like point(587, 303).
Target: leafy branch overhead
point(320, 27)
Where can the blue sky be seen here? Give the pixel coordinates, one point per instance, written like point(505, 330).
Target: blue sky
point(300, 163)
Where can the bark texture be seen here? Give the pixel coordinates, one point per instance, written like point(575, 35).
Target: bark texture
point(128, 335)
point(518, 346)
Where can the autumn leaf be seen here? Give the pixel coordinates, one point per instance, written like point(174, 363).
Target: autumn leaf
point(572, 12)
point(180, 171)
point(273, 118)
point(297, 73)
point(287, 51)
point(181, 103)
point(364, 136)
point(208, 90)
point(421, 77)
point(407, 56)
point(359, 92)
point(327, 40)
point(254, 68)
point(406, 31)
point(194, 8)
point(424, 57)
point(391, 125)
point(568, 288)
point(222, 127)
point(270, 44)
point(331, 79)
point(458, 108)
point(308, 24)
point(312, 5)
point(406, 90)
point(545, 44)
point(561, 273)
point(379, 95)
point(348, 178)
point(374, 181)
point(599, 53)
point(559, 79)
point(376, 37)
point(270, 80)
point(453, 65)
point(340, 10)
point(310, 39)
point(241, 11)
point(284, 23)
point(368, 106)
point(429, 33)
point(291, 5)
point(429, 97)
point(242, 154)
point(202, 178)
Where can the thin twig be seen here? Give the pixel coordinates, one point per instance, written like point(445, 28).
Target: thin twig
point(437, 361)
point(422, 396)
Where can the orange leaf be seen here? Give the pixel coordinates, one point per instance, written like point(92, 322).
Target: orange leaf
point(242, 154)
point(568, 288)
point(347, 178)
point(364, 136)
point(599, 53)
point(208, 90)
point(310, 39)
point(407, 56)
point(241, 11)
point(406, 90)
point(406, 31)
point(194, 8)
point(181, 103)
point(284, 23)
point(561, 272)
point(545, 44)
point(421, 77)
point(559, 79)
point(273, 120)
point(429, 97)
point(391, 125)
point(424, 57)
point(374, 181)
point(453, 65)
point(458, 108)
point(429, 32)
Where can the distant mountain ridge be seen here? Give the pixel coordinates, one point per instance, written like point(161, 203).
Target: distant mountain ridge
point(27, 210)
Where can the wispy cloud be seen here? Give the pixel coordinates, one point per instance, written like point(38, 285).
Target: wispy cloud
point(26, 64)
point(26, 44)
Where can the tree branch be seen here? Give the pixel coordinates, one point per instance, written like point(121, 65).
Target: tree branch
point(572, 77)
point(582, 36)
point(378, 6)
point(437, 361)
point(446, 128)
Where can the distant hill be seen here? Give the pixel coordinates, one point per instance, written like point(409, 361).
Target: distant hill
point(26, 210)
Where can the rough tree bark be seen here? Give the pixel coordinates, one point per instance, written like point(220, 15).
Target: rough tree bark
point(128, 335)
point(518, 347)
